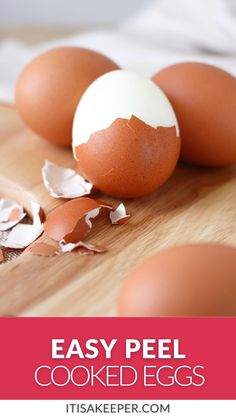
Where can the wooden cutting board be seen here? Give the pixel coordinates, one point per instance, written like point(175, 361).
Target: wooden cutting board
point(194, 205)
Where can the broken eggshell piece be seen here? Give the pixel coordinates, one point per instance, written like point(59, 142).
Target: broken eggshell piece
point(83, 248)
point(64, 183)
point(22, 235)
point(119, 216)
point(1, 256)
point(43, 249)
point(11, 213)
point(131, 144)
point(71, 221)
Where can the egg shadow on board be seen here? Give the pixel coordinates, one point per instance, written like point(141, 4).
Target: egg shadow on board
point(187, 185)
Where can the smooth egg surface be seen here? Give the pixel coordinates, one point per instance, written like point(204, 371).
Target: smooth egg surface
point(49, 88)
point(191, 280)
point(204, 100)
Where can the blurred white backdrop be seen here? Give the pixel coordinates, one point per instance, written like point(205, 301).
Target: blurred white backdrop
point(148, 34)
point(66, 12)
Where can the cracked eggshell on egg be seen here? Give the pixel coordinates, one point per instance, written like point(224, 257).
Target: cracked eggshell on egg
point(117, 140)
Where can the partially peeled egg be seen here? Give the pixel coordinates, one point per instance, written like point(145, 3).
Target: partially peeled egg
point(125, 135)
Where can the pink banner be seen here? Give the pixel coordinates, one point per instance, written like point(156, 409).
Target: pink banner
point(117, 358)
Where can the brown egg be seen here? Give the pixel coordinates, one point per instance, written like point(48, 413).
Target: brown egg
point(192, 280)
point(50, 87)
point(204, 100)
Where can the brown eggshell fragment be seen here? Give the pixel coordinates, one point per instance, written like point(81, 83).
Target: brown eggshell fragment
point(79, 233)
point(106, 205)
point(130, 158)
point(67, 222)
point(85, 252)
point(15, 215)
point(204, 100)
point(49, 88)
point(93, 247)
point(82, 248)
point(42, 215)
point(1, 256)
point(43, 249)
point(11, 213)
point(191, 280)
point(119, 216)
point(22, 235)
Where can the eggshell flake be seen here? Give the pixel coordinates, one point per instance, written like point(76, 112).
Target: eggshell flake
point(94, 247)
point(119, 216)
point(85, 252)
point(68, 221)
point(85, 248)
point(90, 215)
point(204, 100)
point(15, 215)
point(129, 159)
point(190, 280)
point(79, 233)
point(105, 205)
point(64, 183)
point(51, 85)
point(22, 235)
point(11, 213)
point(43, 249)
point(6, 207)
point(1, 256)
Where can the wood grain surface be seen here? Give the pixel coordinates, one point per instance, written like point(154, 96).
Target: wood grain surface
point(194, 205)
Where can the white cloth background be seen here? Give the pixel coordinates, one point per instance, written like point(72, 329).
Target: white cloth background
point(166, 32)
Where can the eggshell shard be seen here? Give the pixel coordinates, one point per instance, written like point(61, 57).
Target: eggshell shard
point(191, 280)
point(15, 215)
point(85, 252)
point(83, 248)
point(2, 258)
point(129, 159)
point(51, 85)
point(22, 235)
point(119, 216)
point(64, 183)
point(95, 248)
point(79, 233)
point(68, 222)
point(11, 213)
point(204, 100)
point(68, 247)
point(43, 249)
point(106, 205)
